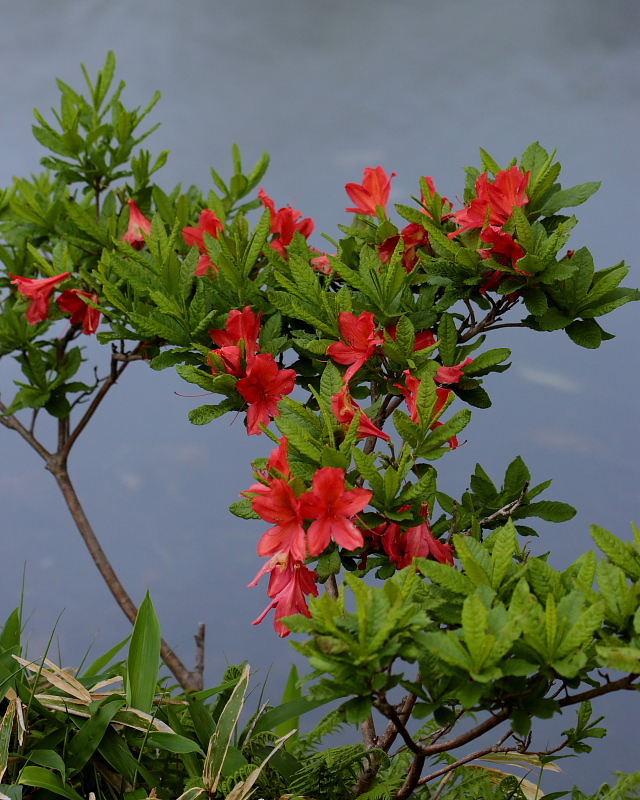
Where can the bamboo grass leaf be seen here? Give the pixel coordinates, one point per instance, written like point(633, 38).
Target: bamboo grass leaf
point(143, 661)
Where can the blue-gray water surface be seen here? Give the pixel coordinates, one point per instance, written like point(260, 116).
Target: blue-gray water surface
point(328, 88)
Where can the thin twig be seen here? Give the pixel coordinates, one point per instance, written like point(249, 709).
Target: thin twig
point(441, 786)
point(495, 748)
point(113, 377)
point(505, 511)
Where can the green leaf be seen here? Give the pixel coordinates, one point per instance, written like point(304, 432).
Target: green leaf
point(169, 358)
point(553, 320)
point(567, 198)
point(143, 661)
point(358, 709)
point(330, 383)
point(173, 743)
point(100, 663)
point(6, 727)
point(10, 636)
point(535, 300)
point(48, 758)
point(625, 659)
point(221, 739)
point(367, 468)
point(447, 340)
point(195, 375)
point(291, 692)
point(446, 431)
point(283, 713)
point(436, 235)
point(485, 362)
point(257, 242)
point(586, 333)
point(489, 164)
point(616, 551)
point(205, 414)
point(445, 575)
point(504, 546)
point(549, 510)
point(87, 740)
point(45, 779)
point(242, 508)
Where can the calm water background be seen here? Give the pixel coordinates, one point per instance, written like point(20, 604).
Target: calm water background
point(329, 88)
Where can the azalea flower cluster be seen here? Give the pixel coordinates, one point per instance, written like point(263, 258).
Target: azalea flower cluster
point(416, 542)
point(361, 342)
point(39, 291)
point(262, 383)
point(488, 212)
point(372, 196)
point(304, 524)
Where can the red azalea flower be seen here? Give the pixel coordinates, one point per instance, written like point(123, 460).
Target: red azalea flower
point(497, 199)
point(451, 374)
point(277, 503)
point(423, 339)
point(284, 223)
point(410, 392)
point(40, 291)
point(321, 264)
point(208, 223)
point(503, 245)
point(241, 325)
point(263, 388)
point(277, 467)
point(344, 408)
point(373, 191)
point(231, 361)
point(415, 542)
point(138, 224)
point(279, 458)
point(289, 583)
point(493, 281)
point(332, 507)
point(70, 302)
point(414, 236)
point(359, 332)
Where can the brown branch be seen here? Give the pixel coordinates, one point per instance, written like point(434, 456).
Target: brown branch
point(58, 469)
point(109, 382)
point(331, 587)
point(198, 672)
point(613, 686)
point(502, 306)
point(469, 736)
point(384, 742)
point(369, 734)
point(391, 714)
point(15, 424)
point(413, 776)
point(506, 325)
point(495, 748)
point(56, 463)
